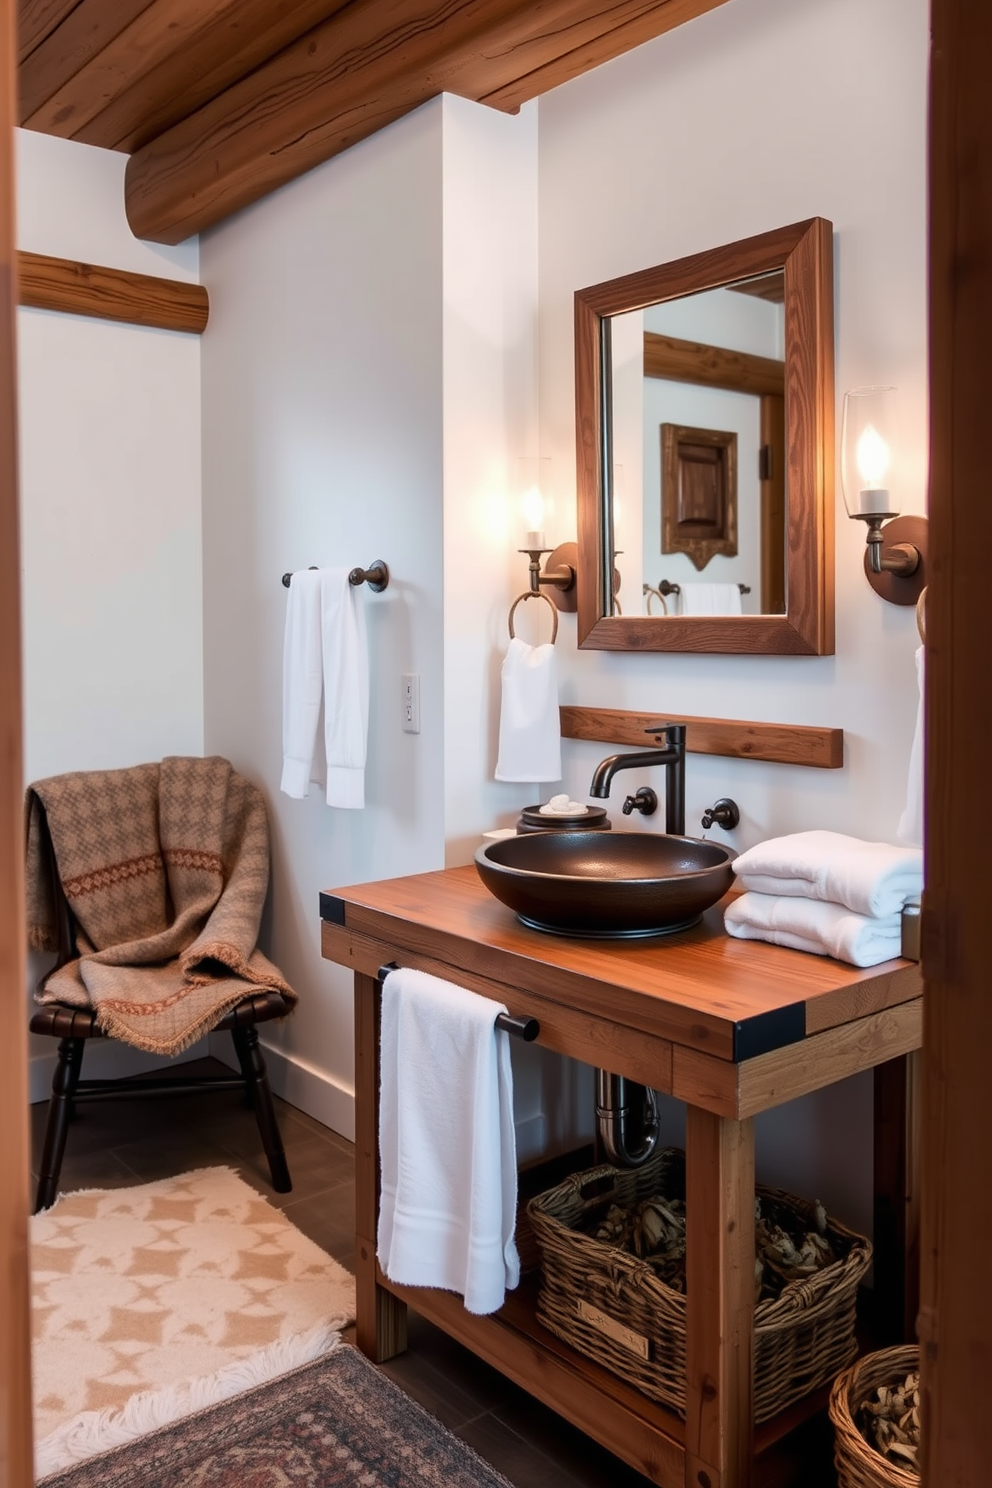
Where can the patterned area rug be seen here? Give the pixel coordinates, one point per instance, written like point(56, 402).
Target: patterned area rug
point(333, 1423)
point(152, 1302)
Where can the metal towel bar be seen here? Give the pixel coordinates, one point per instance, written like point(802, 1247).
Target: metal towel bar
point(376, 576)
point(665, 587)
point(523, 1028)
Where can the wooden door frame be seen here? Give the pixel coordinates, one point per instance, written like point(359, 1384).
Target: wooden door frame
point(16, 1456)
point(956, 1302)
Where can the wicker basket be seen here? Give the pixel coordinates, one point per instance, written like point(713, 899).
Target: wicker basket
point(612, 1307)
point(858, 1464)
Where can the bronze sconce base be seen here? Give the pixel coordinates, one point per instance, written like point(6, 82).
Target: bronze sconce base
point(897, 588)
point(557, 578)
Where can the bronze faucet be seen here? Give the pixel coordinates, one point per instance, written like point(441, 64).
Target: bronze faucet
point(672, 755)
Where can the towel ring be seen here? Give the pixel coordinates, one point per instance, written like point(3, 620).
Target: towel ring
point(921, 614)
point(529, 594)
point(653, 593)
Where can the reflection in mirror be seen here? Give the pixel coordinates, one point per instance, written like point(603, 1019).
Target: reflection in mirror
point(698, 395)
point(704, 442)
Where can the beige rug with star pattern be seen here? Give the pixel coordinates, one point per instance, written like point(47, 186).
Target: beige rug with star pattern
point(149, 1303)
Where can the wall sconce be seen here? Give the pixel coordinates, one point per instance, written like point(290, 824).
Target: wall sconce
point(534, 502)
point(895, 560)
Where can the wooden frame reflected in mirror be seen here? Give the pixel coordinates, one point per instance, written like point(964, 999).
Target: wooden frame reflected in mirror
point(805, 625)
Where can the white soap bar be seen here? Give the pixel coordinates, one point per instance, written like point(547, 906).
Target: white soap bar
point(562, 806)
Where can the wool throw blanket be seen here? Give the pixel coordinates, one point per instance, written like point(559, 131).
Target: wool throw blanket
point(165, 868)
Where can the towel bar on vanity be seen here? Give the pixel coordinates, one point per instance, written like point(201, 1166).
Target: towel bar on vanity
point(376, 576)
point(524, 1028)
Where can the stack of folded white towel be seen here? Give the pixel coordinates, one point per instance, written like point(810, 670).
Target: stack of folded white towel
point(826, 893)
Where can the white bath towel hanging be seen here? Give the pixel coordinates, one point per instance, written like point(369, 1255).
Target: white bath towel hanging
point(911, 822)
point(325, 653)
point(529, 726)
point(816, 926)
point(869, 878)
point(447, 1142)
point(711, 599)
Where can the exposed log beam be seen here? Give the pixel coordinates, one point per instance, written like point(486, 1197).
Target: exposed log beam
point(234, 37)
point(111, 294)
point(156, 62)
point(711, 366)
point(359, 70)
point(572, 64)
point(84, 34)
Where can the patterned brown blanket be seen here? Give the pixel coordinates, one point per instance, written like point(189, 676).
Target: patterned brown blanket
point(165, 868)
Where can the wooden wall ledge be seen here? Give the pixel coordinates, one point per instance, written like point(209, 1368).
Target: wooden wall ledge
point(781, 743)
point(110, 294)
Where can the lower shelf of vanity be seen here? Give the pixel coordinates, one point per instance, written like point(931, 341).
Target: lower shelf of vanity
point(643, 1433)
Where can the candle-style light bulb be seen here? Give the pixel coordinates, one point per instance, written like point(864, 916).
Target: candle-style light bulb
point(867, 449)
point(873, 458)
point(532, 506)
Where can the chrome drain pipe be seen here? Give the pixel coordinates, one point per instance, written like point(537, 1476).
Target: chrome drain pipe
point(625, 1111)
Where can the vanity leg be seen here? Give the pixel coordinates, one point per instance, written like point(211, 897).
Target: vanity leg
point(719, 1300)
point(380, 1317)
point(897, 1199)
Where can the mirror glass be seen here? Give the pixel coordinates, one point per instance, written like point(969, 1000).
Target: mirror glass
point(704, 450)
point(698, 415)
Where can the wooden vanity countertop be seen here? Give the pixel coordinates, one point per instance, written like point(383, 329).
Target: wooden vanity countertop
point(701, 989)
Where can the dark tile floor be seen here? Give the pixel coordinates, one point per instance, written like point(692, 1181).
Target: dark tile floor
point(113, 1144)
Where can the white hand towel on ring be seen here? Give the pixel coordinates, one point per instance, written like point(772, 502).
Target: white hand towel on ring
point(529, 722)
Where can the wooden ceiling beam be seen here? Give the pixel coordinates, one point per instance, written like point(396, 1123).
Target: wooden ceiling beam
point(629, 32)
point(364, 67)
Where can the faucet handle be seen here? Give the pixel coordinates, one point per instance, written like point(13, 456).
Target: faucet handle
point(725, 813)
point(675, 731)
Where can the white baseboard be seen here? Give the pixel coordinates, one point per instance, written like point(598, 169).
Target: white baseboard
point(307, 1088)
point(312, 1090)
point(105, 1059)
point(532, 1137)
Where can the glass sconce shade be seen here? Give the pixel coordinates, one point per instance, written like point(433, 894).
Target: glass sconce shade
point(866, 453)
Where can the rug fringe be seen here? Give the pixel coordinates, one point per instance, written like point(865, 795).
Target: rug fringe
point(93, 1432)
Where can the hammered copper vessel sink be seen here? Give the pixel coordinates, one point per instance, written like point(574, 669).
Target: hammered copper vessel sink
point(606, 884)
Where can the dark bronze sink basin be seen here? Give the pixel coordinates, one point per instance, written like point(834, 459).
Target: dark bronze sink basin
point(606, 883)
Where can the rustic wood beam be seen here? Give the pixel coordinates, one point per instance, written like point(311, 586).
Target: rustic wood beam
point(110, 294)
point(151, 63)
point(82, 35)
point(227, 40)
point(782, 743)
point(621, 38)
point(348, 77)
point(711, 366)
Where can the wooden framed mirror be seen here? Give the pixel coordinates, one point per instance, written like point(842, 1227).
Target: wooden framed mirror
point(737, 339)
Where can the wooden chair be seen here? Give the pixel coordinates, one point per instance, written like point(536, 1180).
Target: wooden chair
point(74, 1026)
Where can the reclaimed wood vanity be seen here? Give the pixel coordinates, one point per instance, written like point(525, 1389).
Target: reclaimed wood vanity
point(731, 1028)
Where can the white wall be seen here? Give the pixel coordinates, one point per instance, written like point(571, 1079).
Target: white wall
point(322, 444)
point(110, 507)
point(715, 131)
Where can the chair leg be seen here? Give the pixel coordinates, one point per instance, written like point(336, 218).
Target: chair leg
point(257, 1083)
point(60, 1107)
